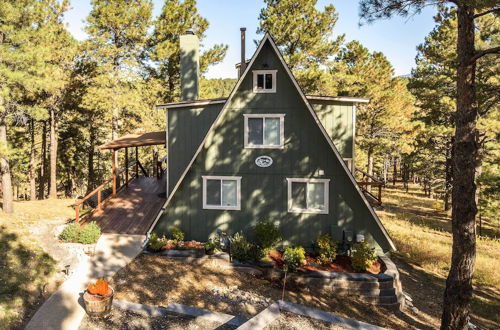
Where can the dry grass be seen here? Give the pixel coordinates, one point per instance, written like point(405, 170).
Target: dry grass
point(25, 268)
point(423, 238)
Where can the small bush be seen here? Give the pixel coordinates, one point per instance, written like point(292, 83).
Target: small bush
point(240, 247)
point(177, 233)
point(70, 233)
point(294, 257)
point(267, 234)
point(89, 234)
point(156, 243)
point(363, 256)
point(255, 253)
point(327, 249)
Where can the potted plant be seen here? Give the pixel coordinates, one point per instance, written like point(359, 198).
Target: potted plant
point(98, 298)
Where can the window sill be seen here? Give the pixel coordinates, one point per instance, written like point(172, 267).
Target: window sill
point(222, 208)
point(264, 91)
point(308, 211)
point(263, 147)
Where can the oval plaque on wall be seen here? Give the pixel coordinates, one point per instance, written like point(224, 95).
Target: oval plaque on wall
point(263, 161)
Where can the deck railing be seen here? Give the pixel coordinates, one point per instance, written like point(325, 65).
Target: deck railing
point(119, 173)
point(368, 180)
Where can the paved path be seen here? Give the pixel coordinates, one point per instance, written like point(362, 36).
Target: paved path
point(63, 310)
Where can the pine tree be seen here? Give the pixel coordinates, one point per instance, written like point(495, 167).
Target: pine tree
point(458, 292)
point(117, 32)
point(305, 37)
point(175, 19)
point(383, 125)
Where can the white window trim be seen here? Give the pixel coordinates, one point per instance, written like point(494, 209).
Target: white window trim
point(291, 209)
point(222, 207)
point(256, 72)
point(281, 117)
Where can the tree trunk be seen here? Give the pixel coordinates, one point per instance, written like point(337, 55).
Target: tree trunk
point(90, 164)
point(369, 168)
point(7, 193)
point(42, 171)
point(53, 154)
point(458, 292)
point(32, 173)
point(394, 172)
point(448, 175)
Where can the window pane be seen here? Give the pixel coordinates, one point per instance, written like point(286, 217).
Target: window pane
point(260, 81)
point(255, 131)
point(316, 195)
point(213, 192)
point(272, 132)
point(299, 195)
point(269, 81)
point(229, 193)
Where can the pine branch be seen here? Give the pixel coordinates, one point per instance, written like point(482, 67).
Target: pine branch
point(487, 12)
point(481, 53)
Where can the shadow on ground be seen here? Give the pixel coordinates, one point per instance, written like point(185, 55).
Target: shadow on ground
point(24, 275)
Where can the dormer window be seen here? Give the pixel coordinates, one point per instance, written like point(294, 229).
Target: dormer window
point(264, 81)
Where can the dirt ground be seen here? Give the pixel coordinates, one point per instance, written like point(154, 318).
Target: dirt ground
point(157, 280)
point(292, 321)
point(121, 320)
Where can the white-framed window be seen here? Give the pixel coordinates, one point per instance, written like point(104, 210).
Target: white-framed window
point(221, 192)
point(264, 81)
point(264, 131)
point(308, 195)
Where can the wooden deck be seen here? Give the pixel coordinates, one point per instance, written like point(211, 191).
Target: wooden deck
point(133, 209)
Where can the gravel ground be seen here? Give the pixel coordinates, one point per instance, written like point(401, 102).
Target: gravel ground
point(122, 320)
point(292, 321)
point(155, 280)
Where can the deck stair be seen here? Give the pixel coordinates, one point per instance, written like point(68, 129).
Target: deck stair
point(367, 181)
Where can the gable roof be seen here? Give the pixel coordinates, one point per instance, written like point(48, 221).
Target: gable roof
point(210, 132)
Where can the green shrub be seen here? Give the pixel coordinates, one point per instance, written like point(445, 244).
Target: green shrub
point(240, 247)
point(177, 233)
point(70, 233)
point(327, 249)
point(156, 243)
point(267, 234)
point(294, 257)
point(89, 234)
point(363, 256)
point(255, 253)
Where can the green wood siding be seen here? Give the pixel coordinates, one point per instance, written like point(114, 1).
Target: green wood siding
point(264, 190)
point(186, 129)
point(337, 119)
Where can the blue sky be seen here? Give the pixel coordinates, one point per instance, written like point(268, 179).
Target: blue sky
point(396, 38)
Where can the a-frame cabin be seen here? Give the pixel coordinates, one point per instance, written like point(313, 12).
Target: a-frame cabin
point(263, 153)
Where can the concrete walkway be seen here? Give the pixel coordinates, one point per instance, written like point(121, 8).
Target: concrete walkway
point(63, 310)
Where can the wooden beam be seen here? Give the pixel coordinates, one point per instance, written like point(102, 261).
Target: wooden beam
point(113, 169)
point(126, 167)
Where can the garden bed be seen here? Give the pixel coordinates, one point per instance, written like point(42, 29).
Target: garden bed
point(341, 264)
point(288, 320)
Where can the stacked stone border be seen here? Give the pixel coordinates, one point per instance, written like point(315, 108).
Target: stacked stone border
point(259, 321)
point(382, 289)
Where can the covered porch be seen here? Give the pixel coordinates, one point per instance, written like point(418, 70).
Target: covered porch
point(130, 200)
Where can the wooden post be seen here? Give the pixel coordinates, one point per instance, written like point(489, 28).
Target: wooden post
point(77, 211)
point(113, 169)
point(380, 194)
point(126, 167)
point(99, 198)
point(136, 162)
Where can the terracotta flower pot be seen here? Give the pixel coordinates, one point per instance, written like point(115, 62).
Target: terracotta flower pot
point(97, 305)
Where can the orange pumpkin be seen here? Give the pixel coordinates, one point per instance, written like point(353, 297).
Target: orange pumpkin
point(100, 288)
